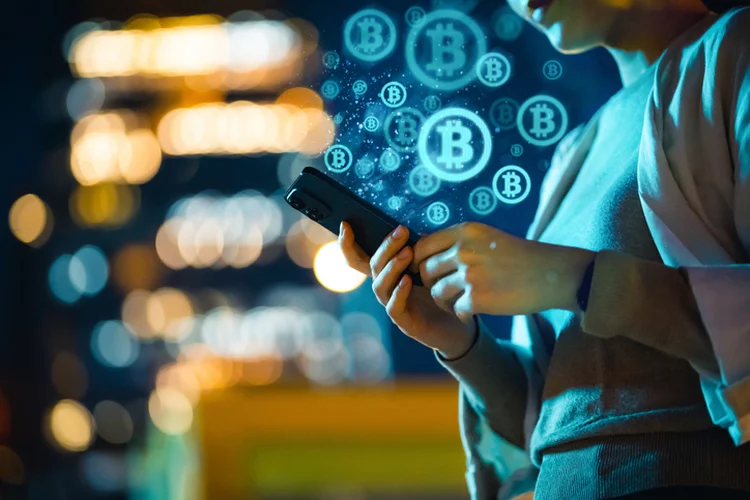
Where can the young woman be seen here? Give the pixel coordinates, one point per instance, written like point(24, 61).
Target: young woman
point(632, 288)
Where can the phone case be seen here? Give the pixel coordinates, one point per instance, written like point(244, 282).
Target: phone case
point(327, 202)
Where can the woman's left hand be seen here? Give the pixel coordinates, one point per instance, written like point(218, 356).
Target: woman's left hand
point(473, 268)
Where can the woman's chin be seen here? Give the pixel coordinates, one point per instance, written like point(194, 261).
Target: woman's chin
point(565, 42)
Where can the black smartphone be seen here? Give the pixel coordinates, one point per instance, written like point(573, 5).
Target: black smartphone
point(328, 202)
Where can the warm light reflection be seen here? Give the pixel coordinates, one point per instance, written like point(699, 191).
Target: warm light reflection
point(136, 266)
point(170, 410)
point(104, 205)
point(333, 272)
point(30, 220)
point(71, 425)
point(243, 127)
point(169, 313)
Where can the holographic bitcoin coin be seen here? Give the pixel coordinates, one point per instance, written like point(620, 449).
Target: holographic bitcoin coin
point(401, 129)
point(516, 184)
point(338, 158)
point(547, 117)
point(393, 94)
point(370, 35)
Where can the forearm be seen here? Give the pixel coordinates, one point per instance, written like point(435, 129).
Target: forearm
point(495, 382)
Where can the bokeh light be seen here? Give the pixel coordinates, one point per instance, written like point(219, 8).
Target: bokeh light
point(89, 270)
point(114, 345)
point(31, 220)
point(59, 280)
point(12, 470)
point(69, 375)
point(71, 425)
point(333, 272)
point(113, 422)
point(137, 266)
point(170, 411)
point(104, 205)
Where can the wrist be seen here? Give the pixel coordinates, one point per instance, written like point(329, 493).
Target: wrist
point(569, 268)
point(464, 342)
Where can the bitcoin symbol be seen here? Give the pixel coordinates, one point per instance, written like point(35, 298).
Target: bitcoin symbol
point(516, 150)
point(370, 35)
point(548, 117)
point(513, 189)
point(503, 113)
point(423, 182)
point(393, 94)
point(448, 55)
point(507, 25)
point(432, 103)
point(438, 212)
point(552, 70)
point(401, 129)
point(371, 124)
point(379, 186)
point(443, 47)
point(330, 89)
point(338, 158)
point(331, 59)
point(394, 202)
point(338, 118)
point(455, 136)
point(390, 160)
point(415, 16)
point(364, 168)
point(359, 87)
point(455, 143)
point(482, 201)
point(493, 69)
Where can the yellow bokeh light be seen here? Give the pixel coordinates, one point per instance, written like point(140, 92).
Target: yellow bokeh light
point(11, 467)
point(71, 425)
point(170, 410)
point(134, 313)
point(169, 313)
point(301, 97)
point(30, 220)
point(136, 266)
point(333, 272)
point(105, 204)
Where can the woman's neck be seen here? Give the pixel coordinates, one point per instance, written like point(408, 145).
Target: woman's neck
point(642, 33)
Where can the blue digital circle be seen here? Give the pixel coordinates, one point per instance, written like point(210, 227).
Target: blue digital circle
point(330, 89)
point(371, 123)
point(438, 208)
point(459, 64)
point(415, 15)
point(475, 193)
point(331, 59)
point(493, 61)
point(504, 113)
point(508, 195)
point(405, 139)
point(552, 70)
point(445, 174)
point(338, 158)
point(359, 87)
point(423, 182)
point(393, 94)
point(432, 103)
point(389, 160)
point(538, 134)
point(376, 43)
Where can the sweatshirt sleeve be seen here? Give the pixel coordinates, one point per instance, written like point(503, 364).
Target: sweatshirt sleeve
point(495, 376)
point(694, 184)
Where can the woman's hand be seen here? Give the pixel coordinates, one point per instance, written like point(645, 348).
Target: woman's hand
point(473, 268)
point(411, 308)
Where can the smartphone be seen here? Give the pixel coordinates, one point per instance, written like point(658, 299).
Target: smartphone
point(328, 203)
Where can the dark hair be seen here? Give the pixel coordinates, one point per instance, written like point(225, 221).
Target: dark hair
point(725, 5)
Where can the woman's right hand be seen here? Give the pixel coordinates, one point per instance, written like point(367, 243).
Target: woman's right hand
point(411, 308)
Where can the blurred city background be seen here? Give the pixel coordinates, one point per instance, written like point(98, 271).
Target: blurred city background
point(171, 328)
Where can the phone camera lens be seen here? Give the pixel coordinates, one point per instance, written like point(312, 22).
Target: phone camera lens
point(314, 214)
point(296, 203)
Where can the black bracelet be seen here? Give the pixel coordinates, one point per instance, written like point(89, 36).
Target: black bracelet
point(585, 288)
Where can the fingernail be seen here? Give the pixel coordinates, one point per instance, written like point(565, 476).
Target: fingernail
point(399, 231)
point(341, 229)
point(403, 253)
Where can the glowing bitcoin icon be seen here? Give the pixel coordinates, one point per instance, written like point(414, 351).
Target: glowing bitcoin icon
point(414, 16)
point(401, 129)
point(359, 87)
point(482, 200)
point(493, 69)
point(438, 212)
point(338, 118)
point(447, 144)
point(503, 113)
point(394, 202)
point(516, 150)
point(552, 70)
point(331, 59)
point(432, 103)
point(506, 24)
point(423, 182)
point(338, 158)
point(364, 168)
point(389, 160)
point(371, 124)
point(370, 35)
point(516, 184)
point(393, 94)
point(443, 48)
point(379, 186)
point(549, 120)
point(330, 89)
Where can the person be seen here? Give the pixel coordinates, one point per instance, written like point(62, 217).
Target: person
point(628, 371)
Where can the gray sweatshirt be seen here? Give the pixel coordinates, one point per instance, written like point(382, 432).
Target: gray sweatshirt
point(611, 402)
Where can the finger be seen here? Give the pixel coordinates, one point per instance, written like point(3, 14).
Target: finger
point(434, 243)
point(388, 249)
point(448, 290)
point(353, 253)
point(396, 306)
point(465, 306)
point(385, 282)
point(439, 265)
